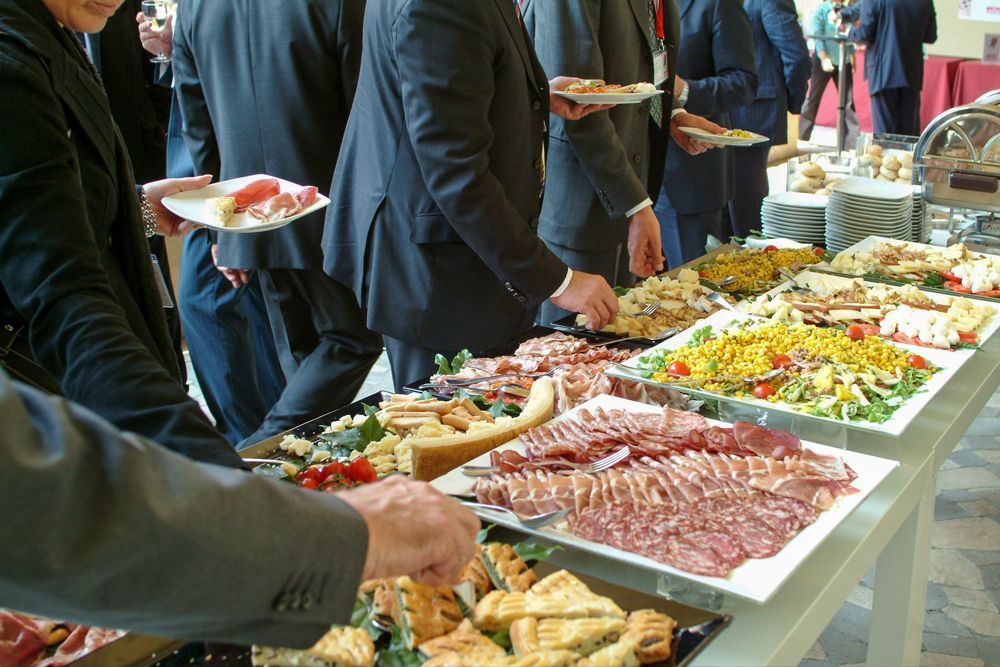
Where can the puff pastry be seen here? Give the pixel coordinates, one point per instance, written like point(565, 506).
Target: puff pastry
point(561, 583)
point(469, 659)
point(425, 611)
point(508, 571)
point(652, 632)
point(463, 639)
point(475, 572)
point(486, 615)
point(380, 594)
point(620, 654)
point(340, 647)
point(542, 659)
point(581, 635)
point(518, 605)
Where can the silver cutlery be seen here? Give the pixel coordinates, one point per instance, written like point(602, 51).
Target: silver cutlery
point(600, 464)
point(653, 337)
point(649, 309)
point(536, 521)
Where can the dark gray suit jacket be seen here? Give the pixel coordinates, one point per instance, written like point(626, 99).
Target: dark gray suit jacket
point(717, 61)
point(138, 537)
point(266, 87)
point(895, 31)
point(436, 195)
point(598, 166)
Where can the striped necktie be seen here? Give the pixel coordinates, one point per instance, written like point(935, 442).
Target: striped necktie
point(655, 104)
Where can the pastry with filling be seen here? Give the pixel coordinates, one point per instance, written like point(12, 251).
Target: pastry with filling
point(561, 584)
point(380, 596)
point(508, 571)
point(463, 639)
point(486, 615)
point(542, 659)
point(582, 635)
point(340, 647)
point(425, 611)
point(620, 654)
point(519, 605)
point(475, 573)
point(652, 632)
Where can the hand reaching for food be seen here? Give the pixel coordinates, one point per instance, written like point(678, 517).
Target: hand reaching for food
point(645, 250)
point(591, 296)
point(568, 109)
point(689, 144)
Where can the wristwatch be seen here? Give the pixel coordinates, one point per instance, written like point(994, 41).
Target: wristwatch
point(683, 97)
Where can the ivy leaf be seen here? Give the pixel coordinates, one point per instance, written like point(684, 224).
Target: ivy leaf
point(497, 409)
point(483, 532)
point(347, 441)
point(532, 552)
point(370, 431)
point(444, 368)
point(459, 360)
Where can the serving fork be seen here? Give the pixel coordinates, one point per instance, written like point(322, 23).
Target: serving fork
point(536, 521)
point(600, 464)
point(648, 310)
point(653, 337)
point(462, 382)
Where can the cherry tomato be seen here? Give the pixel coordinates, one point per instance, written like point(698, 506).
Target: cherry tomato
point(312, 472)
point(361, 470)
point(334, 468)
point(763, 390)
point(916, 361)
point(957, 286)
point(968, 337)
point(781, 361)
point(948, 275)
point(855, 332)
point(309, 483)
point(678, 368)
point(771, 248)
point(819, 252)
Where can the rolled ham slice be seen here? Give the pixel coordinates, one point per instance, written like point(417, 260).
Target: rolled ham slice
point(255, 193)
point(284, 205)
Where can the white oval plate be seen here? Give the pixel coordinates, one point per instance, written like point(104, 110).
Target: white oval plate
point(608, 98)
point(721, 139)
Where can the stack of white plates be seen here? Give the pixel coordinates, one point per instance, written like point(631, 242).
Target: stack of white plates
point(794, 215)
point(923, 224)
point(862, 207)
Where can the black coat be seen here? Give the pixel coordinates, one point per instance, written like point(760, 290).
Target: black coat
point(436, 196)
point(249, 108)
point(74, 263)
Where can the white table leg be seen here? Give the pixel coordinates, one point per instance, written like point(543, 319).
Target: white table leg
point(898, 607)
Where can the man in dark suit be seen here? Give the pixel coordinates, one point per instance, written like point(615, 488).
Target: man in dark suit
point(598, 214)
point(783, 76)
point(895, 31)
point(255, 101)
point(714, 76)
point(237, 557)
point(435, 205)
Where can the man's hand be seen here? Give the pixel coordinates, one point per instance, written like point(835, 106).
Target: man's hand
point(691, 145)
point(236, 277)
point(568, 109)
point(413, 529)
point(645, 252)
point(826, 64)
point(167, 223)
point(678, 86)
point(156, 42)
point(592, 296)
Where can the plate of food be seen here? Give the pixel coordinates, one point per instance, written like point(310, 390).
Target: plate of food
point(751, 271)
point(952, 269)
point(844, 376)
point(594, 91)
point(903, 313)
point(732, 137)
point(247, 205)
point(735, 507)
point(506, 611)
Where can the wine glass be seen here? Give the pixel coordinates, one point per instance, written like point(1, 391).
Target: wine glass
point(156, 12)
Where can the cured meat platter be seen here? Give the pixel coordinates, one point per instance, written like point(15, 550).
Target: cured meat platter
point(942, 365)
point(753, 578)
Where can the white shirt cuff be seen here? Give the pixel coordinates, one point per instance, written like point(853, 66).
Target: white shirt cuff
point(675, 112)
point(641, 205)
point(565, 284)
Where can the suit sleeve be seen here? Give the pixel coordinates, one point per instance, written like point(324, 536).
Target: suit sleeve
point(735, 82)
point(931, 35)
point(566, 36)
point(783, 30)
point(447, 106)
point(350, 25)
point(52, 272)
point(138, 537)
point(867, 26)
point(199, 134)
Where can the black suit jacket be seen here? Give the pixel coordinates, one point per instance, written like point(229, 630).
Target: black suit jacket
point(74, 262)
point(895, 31)
point(436, 196)
point(717, 61)
point(266, 87)
point(598, 167)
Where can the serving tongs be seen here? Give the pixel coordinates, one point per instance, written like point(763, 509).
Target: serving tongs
point(600, 464)
point(536, 521)
point(462, 382)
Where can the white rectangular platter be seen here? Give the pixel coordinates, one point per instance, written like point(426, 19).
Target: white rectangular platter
point(985, 332)
point(946, 360)
point(757, 579)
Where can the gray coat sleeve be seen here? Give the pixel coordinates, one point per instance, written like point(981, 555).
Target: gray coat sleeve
point(109, 529)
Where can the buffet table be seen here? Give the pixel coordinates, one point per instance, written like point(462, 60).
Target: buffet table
point(973, 79)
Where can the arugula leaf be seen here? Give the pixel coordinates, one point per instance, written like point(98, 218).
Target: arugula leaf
point(934, 280)
point(532, 552)
point(483, 532)
point(966, 346)
point(620, 291)
point(502, 639)
point(397, 655)
point(459, 360)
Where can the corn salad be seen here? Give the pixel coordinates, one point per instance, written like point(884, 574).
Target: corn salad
point(754, 270)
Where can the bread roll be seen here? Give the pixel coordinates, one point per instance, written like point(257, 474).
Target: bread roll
point(875, 150)
point(891, 162)
point(811, 170)
point(905, 174)
point(880, 177)
point(891, 174)
point(805, 184)
point(824, 192)
point(906, 160)
point(876, 164)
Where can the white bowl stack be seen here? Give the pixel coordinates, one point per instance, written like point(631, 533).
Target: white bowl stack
point(862, 207)
point(794, 215)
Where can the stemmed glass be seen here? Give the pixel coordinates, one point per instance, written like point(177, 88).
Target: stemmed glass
point(156, 12)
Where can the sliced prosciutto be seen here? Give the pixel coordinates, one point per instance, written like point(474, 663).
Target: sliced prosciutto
point(284, 205)
point(81, 642)
point(255, 192)
point(765, 441)
point(22, 639)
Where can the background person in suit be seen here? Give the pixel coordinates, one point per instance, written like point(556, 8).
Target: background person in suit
point(225, 546)
point(825, 67)
point(782, 59)
point(715, 74)
point(226, 327)
point(895, 31)
point(435, 203)
point(597, 215)
point(262, 103)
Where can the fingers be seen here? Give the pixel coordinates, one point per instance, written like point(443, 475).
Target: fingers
point(192, 182)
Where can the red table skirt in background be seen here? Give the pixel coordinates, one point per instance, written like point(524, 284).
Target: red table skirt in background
point(973, 79)
point(940, 75)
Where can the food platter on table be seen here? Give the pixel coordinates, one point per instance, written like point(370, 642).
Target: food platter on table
point(738, 138)
point(261, 203)
point(758, 267)
point(949, 270)
point(819, 374)
point(683, 468)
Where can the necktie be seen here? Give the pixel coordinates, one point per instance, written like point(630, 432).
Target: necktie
point(655, 105)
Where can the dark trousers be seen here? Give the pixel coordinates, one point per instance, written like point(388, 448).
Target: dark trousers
point(896, 111)
point(324, 346)
point(410, 362)
point(230, 342)
point(612, 264)
point(684, 234)
point(818, 82)
point(749, 189)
